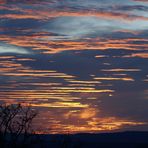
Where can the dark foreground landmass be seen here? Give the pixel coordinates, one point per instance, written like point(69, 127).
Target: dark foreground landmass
point(104, 140)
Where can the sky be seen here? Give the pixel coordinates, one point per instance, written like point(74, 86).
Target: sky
point(81, 63)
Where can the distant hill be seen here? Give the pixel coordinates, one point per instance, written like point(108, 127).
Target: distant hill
point(103, 140)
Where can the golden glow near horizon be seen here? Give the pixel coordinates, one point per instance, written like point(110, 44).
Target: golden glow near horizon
point(85, 120)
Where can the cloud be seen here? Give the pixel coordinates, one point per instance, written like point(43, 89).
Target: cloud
point(140, 0)
point(79, 26)
point(6, 48)
point(131, 8)
point(73, 26)
point(86, 58)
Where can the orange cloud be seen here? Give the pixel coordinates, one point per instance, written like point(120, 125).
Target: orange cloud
point(46, 14)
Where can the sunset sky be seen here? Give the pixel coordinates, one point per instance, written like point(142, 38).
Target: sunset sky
point(83, 64)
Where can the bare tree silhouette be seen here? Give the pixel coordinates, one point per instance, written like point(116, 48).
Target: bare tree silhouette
point(16, 125)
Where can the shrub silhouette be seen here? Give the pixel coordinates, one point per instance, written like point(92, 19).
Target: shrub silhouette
point(16, 125)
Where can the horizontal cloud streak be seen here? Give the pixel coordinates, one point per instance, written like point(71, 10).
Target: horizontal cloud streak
point(6, 48)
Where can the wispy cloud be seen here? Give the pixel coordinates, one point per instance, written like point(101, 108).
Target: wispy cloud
point(6, 48)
